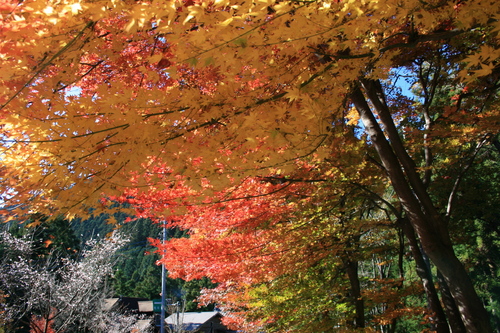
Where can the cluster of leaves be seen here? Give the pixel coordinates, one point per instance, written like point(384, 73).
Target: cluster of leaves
point(280, 247)
point(103, 87)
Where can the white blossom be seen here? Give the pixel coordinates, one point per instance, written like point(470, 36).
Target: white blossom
point(69, 292)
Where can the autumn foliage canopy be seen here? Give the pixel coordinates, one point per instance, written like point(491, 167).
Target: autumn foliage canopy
point(298, 143)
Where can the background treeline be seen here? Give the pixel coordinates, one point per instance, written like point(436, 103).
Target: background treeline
point(136, 272)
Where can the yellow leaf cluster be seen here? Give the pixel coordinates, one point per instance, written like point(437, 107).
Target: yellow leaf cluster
point(90, 91)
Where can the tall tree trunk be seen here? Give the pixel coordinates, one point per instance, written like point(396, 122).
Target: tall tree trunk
point(456, 324)
point(428, 225)
point(352, 272)
point(440, 323)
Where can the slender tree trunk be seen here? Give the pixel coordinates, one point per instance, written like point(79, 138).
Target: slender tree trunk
point(456, 324)
point(428, 225)
point(359, 305)
point(440, 323)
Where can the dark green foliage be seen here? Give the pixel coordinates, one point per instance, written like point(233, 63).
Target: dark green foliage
point(137, 273)
point(94, 227)
point(478, 212)
point(192, 291)
point(53, 237)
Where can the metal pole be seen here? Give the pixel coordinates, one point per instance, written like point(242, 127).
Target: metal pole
point(178, 329)
point(163, 286)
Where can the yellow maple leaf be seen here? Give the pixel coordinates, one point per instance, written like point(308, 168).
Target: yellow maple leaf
point(293, 94)
point(352, 117)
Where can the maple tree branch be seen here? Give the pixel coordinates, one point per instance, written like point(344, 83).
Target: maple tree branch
point(123, 126)
point(48, 63)
point(429, 95)
point(281, 180)
point(460, 176)
point(338, 56)
point(194, 128)
point(243, 34)
point(291, 40)
point(19, 3)
point(92, 67)
point(410, 44)
point(417, 39)
point(101, 149)
point(149, 115)
point(250, 196)
point(391, 207)
point(79, 202)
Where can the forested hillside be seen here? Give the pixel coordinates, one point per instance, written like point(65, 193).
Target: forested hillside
point(137, 273)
